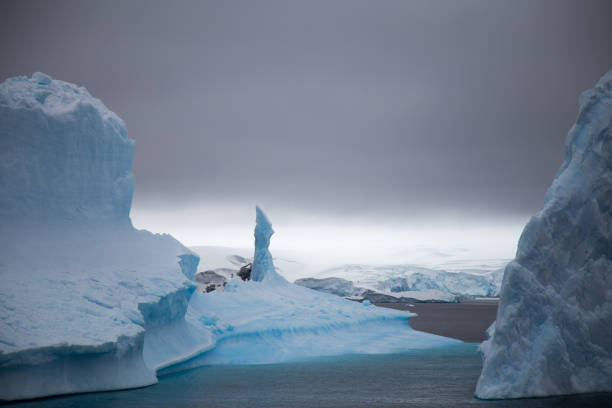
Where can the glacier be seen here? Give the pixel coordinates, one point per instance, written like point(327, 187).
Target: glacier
point(335, 286)
point(89, 303)
point(553, 334)
point(406, 281)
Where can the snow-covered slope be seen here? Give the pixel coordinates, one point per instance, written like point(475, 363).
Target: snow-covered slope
point(553, 333)
point(417, 282)
point(83, 293)
point(334, 286)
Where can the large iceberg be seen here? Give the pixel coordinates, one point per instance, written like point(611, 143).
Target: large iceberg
point(270, 320)
point(88, 303)
point(553, 333)
point(84, 296)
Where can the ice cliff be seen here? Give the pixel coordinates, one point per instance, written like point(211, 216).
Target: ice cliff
point(84, 296)
point(65, 158)
point(553, 333)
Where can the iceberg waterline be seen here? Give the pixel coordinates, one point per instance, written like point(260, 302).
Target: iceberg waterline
point(553, 334)
point(88, 303)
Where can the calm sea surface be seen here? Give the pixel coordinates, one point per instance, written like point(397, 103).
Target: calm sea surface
point(434, 378)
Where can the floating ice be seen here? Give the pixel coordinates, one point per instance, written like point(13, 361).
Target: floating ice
point(83, 293)
point(271, 320)
point(88, 303)
point(553, 333)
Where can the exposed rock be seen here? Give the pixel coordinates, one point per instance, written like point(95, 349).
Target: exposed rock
point(209, 280)
point(245, 272)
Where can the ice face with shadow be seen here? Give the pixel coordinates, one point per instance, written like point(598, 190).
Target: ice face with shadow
point(553, 333)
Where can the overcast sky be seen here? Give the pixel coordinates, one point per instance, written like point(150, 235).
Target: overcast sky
point(330, 114)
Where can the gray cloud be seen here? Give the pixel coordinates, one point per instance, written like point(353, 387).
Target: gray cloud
point(341, 107)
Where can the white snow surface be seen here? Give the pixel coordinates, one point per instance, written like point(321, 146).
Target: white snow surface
point(418, 282)
point(88, 303)
point(553, 333)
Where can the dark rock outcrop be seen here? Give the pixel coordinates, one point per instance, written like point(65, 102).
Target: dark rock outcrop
point(245, 272)
point(209, 280)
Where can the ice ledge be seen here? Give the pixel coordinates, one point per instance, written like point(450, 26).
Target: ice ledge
point(67, 369)
point(129, 362)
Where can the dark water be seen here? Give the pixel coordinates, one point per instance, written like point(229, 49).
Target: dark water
point(436, 378)
point(466, 321)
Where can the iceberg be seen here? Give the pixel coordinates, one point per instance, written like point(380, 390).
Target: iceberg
point(270, 320)
point(553, 334)
point(89, 303)
point(264, 322)
point(85, 298)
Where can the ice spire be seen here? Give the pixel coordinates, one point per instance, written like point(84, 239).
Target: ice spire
point(263, 267)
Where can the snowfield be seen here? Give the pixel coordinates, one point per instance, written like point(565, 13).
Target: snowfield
point(88, 303)
point(411, 281)
point(553, 333)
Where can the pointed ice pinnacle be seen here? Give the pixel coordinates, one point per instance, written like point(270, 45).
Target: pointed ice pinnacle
point(263, 267)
